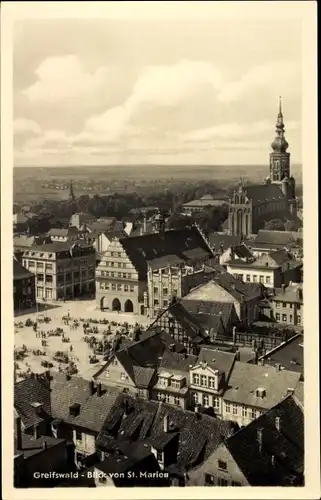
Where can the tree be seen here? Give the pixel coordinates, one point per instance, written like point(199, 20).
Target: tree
point(290, 226)
point(274, 225)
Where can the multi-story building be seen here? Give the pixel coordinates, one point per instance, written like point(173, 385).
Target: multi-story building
point(62, 270)
point(123, 273)
point(267, 242)
point(209, 378)
point(58, 235)
point(268, 452)
point(251, 206)
point(287, 305)
point(226, 288)
point(182, 326)
point(206, 202)
point(23, 287)
point(254, 389)
point(272, 270)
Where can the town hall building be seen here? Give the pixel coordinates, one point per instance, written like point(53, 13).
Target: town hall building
point(253, 205)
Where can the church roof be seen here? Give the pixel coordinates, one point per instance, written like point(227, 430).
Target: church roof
point(263, 193)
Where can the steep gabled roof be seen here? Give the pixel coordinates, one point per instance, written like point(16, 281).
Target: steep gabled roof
point(263, 193)
point(217, 360)
point(223, 241)
point(246, 378)
point(20, 272)
point(28, 391)
point(286, 446)
point(209, 308)
point(182, 243)
point(281, 238)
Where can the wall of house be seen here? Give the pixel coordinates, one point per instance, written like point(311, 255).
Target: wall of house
point(85, 445)
point(171, 398)
point(287, 313)
point(204, 394)
point(117, 280)
point(24, 293)
point(162, 285)
point(239, 413)
point(232, 474)
point(214, 292)
point(254, 275)
point(58, 278)
point(115, 375)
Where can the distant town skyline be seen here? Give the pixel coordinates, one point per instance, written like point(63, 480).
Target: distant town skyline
point(201, 91)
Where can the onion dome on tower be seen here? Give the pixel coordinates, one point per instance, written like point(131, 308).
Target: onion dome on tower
point(280, 145)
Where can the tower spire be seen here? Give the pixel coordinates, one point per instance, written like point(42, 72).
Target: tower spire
point(280, 144)
point(71, 192)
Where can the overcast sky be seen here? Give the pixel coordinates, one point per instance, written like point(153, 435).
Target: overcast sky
point(200, 91)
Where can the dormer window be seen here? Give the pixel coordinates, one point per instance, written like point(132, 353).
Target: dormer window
point(260, 393)
point(74, 410)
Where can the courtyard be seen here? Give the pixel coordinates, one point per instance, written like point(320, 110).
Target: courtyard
point(72, 337)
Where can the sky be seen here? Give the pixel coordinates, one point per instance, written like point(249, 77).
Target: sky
point(147, 91)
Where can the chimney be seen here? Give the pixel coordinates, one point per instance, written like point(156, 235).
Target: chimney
point(36, 432)
point(197, 408)
point(126, 408)
point(278, 367)
point(283, 288)
point(260, 438)
point(273, 460)
point(47, 375)
point(18, 432)
point(145, 225)
point(278, 423)
point(91, 387)
point(44, 445)
point(68, 377)
point(289, 391)
point(237, 355)
point(166, 423)
point(99, 389)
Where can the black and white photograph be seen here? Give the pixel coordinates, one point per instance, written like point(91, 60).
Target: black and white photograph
point(159, 269)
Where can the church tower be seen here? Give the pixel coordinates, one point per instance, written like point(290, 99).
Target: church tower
point(71, 192)
point(280, 164)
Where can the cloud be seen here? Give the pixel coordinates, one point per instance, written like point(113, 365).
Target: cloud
point(234, 130)
point(24, 126)
point(61, 79)
point(279, 77)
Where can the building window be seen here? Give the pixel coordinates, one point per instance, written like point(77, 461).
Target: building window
point(156, 302)
point(155, 290)
point(132, 288)
point(165, 291)
point(222, 482)
point(196, 379)
point(298, 320)
point(298, 307)
point(123, 376)
point(78, 436)
point(253, 413)
point(268, 280)
point(176, 400)
point(277, 317)
point(290, 318)
point(209, 480)
point(119, 288)
point(284, 318)
point(261, 279)
point(167, 398)
point(204, 380)
point(126, 288)
point(40, 277)
point(113, 286)
point(227, 408)
point(165, 303)
point(39, 292)
point(159, 396)
point(216, 403)
point(159, 456)
point(284, 304)
point(277, 305)
point(194, 397)
point(248, 277)
point(211, 383)
point(255, 278)
point(244, 411)
point(206, 400)
point(291, 305)
point(222, 465)
point(234, 409)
